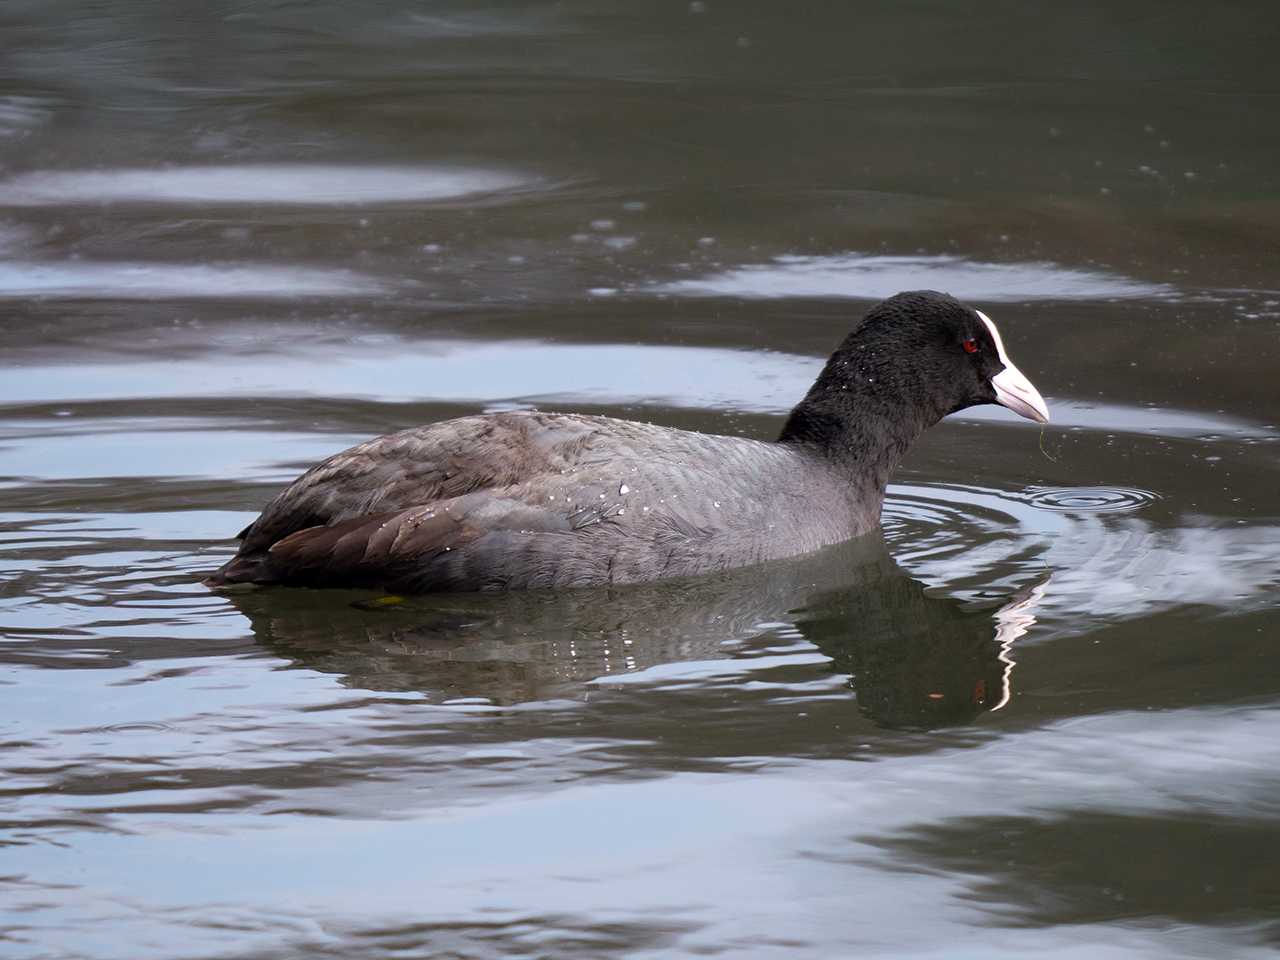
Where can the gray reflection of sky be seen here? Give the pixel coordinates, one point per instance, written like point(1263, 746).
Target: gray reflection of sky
point(21, 114)
point(1118, 418)
point(682, 846)
point(118, 451)
point(275, 184)
point(161, 281)
point(699, 377)
point(873, 277)
point(1123, 567)
point(183, 526)
point(463, 371)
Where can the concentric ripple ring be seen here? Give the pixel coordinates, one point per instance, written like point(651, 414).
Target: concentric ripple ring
point(1092, 499)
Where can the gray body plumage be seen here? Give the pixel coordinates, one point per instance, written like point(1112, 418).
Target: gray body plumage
point(527, 499)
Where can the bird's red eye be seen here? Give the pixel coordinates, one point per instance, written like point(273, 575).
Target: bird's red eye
point(970, 346)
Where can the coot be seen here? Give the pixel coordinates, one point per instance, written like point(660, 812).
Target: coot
point(526, 499)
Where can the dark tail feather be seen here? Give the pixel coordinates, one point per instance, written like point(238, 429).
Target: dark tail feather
point(248, 568)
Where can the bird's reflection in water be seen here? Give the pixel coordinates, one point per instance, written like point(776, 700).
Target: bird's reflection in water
point(914, 660)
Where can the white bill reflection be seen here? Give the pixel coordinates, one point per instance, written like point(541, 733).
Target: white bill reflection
point(1013, 620)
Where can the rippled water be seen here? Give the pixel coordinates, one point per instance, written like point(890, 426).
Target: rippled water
point(1040, 717)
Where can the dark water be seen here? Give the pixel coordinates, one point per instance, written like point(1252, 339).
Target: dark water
point(1043, 716)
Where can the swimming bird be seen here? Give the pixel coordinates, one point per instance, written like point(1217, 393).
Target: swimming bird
point(526, 499)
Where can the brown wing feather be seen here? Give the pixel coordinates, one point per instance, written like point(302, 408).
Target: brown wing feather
point(367, 549)
point(421, 466)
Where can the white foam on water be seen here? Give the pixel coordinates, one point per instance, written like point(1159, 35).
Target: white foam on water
point(275, 184)
point(86, 280)
point(864, 277)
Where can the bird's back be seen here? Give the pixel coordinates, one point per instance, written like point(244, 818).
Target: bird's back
point(528, 499)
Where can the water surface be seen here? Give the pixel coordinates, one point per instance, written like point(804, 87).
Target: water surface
point(1040, 716)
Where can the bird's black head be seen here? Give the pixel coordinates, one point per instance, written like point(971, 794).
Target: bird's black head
point(913, 359)
point(946, 356)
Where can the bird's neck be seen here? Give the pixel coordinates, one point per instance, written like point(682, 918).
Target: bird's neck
point(861, 426)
